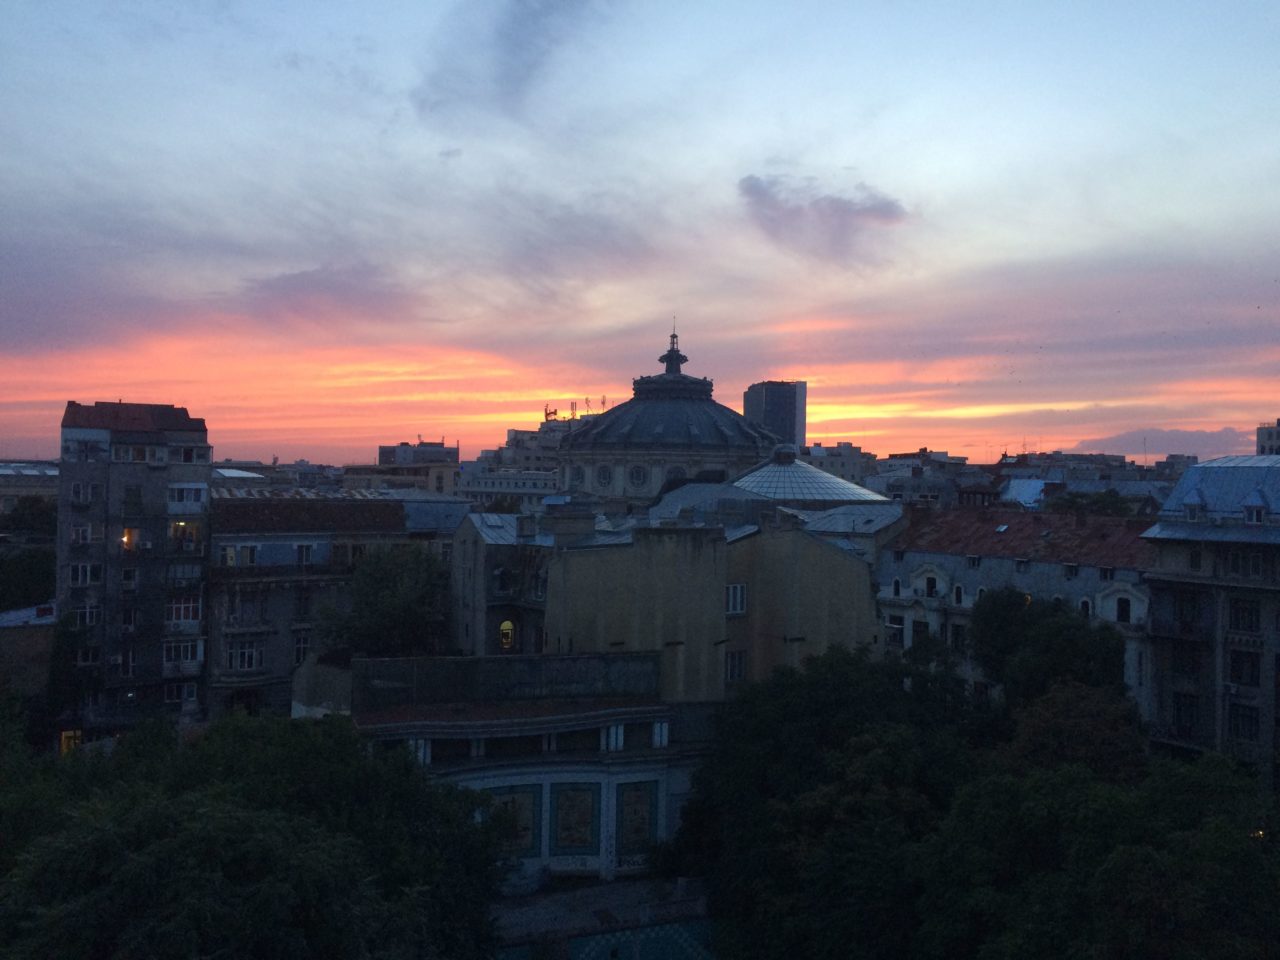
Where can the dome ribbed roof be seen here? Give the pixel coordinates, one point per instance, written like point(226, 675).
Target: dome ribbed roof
point(784, 477)
point(670, 409)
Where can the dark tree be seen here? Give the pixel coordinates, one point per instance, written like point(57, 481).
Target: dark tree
point(261, 838)
point(1029, 645)
point(399, 606)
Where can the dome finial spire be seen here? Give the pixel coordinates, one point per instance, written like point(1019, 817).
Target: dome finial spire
point(673, 358)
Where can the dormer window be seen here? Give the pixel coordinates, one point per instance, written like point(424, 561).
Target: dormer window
point(1193, 511)
point(1255, 515)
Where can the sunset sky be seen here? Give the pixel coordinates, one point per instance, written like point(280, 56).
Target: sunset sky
point(326, 226)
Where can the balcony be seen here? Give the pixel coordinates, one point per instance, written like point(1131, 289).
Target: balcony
point(189, 548)
point(182, 669)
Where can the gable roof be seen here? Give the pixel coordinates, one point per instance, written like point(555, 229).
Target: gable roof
point(141, 417)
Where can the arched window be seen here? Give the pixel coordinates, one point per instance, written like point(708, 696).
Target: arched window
point(957, 594)
point(507, 635)
point(1085, 608)
point(897, 587)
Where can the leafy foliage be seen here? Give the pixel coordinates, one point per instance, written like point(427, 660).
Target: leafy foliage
point(1029, 645)
point(858, 810)
point(27, 577)
point(262, 838)
point(399, 605)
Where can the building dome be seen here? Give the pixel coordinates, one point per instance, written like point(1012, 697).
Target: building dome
point(783, 477)
point(670, 409)
point(670, 430)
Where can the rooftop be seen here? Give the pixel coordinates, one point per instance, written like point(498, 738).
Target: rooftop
point(1038, 537)
point(142, 417)
point(783, 477)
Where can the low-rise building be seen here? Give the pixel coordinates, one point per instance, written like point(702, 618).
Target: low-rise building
point(930, 577)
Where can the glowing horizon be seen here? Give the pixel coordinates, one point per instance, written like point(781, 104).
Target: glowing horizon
point(323, 228)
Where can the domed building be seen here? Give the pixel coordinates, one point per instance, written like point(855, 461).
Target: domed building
point(670, 430)
point(798, 484)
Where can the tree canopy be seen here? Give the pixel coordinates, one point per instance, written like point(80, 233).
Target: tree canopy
point(860, 809)
point(261, 838)
point(399, 605)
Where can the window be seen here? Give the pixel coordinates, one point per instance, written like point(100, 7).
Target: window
point(957, 594)
point(898, 556)
point(735, 665)
point(244, 655)
point(897, 587)
point(1086, 609)
point(930, 586)
point(86, 533)
point(1193, 560)
point(1254, 514)
point(247, 555)
point(128, 662)
point(1245, 616)
point(303, 552)
point(180, 574)
point(182, 609)
point(84, 574)
point(129, 620)
point(974, 562)
point(959, 637)
point(638, 475)
point(88, 656)
point(604, 475)
point(130, 538)
point(919, 631)
point(1245, 667)
point(186, 495)
point(302, 604)
point(1242, 722)
point(507, 635)
point(87, 615)
point(184, 651)
point(129, 578)
point(1235, 563)
point(1021, 564)
point(1123, 610)
point(301, 646)
point(735, 599)
point(1071, 571)
point(1106, 573)
point(85, 492)
point(895, 627)
point(1255, 565)
point(179, 693)
point(1192, 511)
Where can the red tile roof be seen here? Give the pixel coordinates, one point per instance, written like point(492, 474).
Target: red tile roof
point(131, 416)
point(1043, 537)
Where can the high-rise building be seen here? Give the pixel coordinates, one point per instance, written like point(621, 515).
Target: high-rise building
point(133, 495)
point(779, 407)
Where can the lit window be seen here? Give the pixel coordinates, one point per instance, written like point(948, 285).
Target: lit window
point(507, 635)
